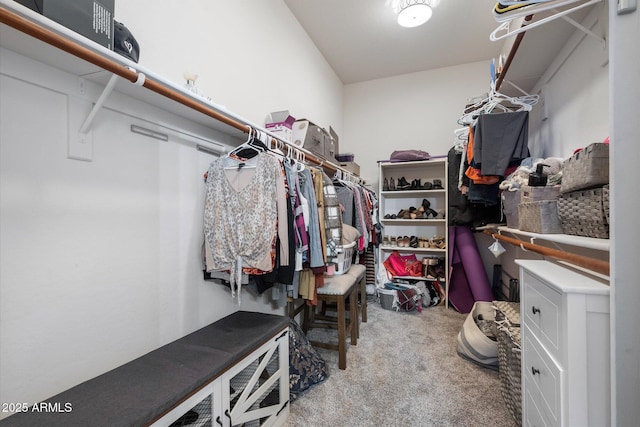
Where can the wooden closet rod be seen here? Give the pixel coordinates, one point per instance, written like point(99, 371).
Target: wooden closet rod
point(512, 53)
point(24, 25)
point(593, 264)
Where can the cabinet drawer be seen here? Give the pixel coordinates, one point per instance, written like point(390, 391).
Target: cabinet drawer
point(542, 309)
point(532, 415)
point(543, 378)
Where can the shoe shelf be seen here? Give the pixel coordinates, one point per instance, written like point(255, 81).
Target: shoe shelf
point(411, 193)
point(424, 197)
point(390, 248)
point(441, 280)
point(413, 221)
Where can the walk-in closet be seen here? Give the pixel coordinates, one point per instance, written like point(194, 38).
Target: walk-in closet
point(335, 213)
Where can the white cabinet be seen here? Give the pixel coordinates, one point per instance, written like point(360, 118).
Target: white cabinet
point(254, 392)
point(565, 346)
point(422, 227)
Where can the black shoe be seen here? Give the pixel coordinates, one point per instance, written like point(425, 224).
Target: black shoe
point(392, 184)
point(385, 185)
point(427, 186)
point(437, 184)
point(403, 184)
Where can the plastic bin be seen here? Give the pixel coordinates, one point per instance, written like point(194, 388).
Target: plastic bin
point(344, 258)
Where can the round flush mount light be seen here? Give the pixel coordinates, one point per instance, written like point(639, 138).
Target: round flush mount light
point(413, 13)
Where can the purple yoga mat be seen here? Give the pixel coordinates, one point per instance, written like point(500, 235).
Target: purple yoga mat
point(468, 281)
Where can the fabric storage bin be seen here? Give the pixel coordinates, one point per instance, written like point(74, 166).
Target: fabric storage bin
point(476, 340)
point(343, 260)
point(509, 356)
point(582, 213)
point(540, 217)
point(586, 169)
point(535, 194)
point(510, 202)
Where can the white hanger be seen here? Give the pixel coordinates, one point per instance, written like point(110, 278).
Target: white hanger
point(510, 18)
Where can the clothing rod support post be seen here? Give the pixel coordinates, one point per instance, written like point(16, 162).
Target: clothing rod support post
point(586, 30)
point(98, 105)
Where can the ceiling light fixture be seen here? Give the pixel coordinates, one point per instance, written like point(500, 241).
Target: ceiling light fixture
point(413, 13)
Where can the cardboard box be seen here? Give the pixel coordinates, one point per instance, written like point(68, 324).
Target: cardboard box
point(90, 18)
point(352, 167)
point(280, 123)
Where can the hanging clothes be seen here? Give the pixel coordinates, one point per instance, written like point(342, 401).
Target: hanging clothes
point(241, 215)
point(500, 140)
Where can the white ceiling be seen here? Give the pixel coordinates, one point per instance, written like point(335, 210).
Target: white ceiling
point(362, 41)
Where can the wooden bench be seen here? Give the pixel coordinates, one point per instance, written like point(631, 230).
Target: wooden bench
point(162, 385)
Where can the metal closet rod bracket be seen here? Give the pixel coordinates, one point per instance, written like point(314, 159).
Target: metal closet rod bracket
point(106, 92)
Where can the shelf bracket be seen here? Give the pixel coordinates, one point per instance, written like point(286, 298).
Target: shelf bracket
point(585, 30)
point(80, 137)
point(86, 125)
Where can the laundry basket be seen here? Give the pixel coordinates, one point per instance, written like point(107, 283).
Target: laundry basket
point(343, 259)
point(509, 356)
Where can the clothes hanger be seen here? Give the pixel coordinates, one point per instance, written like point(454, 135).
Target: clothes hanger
point(503, 30)
point(246, 150)
point(241, 156)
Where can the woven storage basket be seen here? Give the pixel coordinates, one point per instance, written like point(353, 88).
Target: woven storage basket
point(509, 356)
point(605, 202)
point(510, 202)
point(586, 169)
point(582, 213)
point(539, 217)
point(536, 194)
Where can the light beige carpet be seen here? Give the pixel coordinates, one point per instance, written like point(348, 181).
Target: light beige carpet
point(404, 372)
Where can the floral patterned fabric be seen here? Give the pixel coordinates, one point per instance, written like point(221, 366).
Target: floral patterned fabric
point(240, 224)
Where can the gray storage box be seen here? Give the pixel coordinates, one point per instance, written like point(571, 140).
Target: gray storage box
point(510, 202)
point(540, 217)
point(313, 138)
point(90, 18)
point(587, 168)
point(582, 213)
point(536, 194)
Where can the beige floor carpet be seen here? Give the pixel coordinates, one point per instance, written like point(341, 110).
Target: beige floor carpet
point(404, 371)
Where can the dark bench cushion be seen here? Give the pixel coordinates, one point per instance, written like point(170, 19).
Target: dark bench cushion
point(138, 392)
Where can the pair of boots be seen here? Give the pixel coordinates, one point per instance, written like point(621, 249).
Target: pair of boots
point(389, 185)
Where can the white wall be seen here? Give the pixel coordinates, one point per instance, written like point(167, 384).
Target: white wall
point(625, 292)
point(574, 94)
point(251, 56)
point(411, 111)
point(100, 261)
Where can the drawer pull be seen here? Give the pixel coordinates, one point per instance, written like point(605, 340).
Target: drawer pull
point(535, 371)
point(218, 420)
point(534, 309)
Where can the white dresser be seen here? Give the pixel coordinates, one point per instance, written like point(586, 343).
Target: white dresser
point(565, 347)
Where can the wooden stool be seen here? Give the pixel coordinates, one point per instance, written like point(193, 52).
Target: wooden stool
point(359, 272)
point(337, 290)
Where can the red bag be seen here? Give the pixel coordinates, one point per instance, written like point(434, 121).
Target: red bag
point(402, 265)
